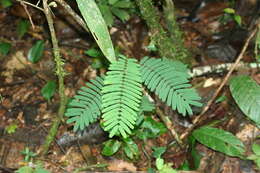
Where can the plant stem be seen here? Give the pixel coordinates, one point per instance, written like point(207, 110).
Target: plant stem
point(163, 41)
point(60, 73)
point(169, 125)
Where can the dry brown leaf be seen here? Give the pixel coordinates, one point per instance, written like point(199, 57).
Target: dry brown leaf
point(121, 165)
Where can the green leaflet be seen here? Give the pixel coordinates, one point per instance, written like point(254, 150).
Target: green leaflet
point(85, 107)
point(97, 26)
point(36, 52)
point(121, 97)
point(246, 93)
point(220, 140)
point(169, 80)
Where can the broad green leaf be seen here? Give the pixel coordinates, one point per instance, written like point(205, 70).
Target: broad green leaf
point(121, 14)
point(150, 129)
point(151, 170)
point(220, 140)
point(93, 53)
point(196, 156)
point(159, 163)
point(6, 3)
point(97, 26)
point(22, 27)
point(229, 10)
point(256, 149)
point(4, 48)
point(123, 4)
point(130, 148)
point(41, 170)
point(246, 93)
point(158, 151)
point(48, 90)
point(112, 2)
point(25, 169)
point(107, 14)
point(111, 147)
point(35, 53)
point(238, 19)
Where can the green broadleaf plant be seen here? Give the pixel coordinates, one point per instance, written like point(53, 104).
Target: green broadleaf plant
point(97, 27)
point(256, 156)
point(6, 3)
point(220, 140)
point(111, 147)
point(246, 93)
point(35, 53)
point(118, 8)
point(22, 27)
point(4, 48)
point(48, 90)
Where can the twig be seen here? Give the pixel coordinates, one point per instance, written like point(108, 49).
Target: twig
point(60, 73)
point(90, 167)
point(76, 17)
point(169, 125)
point(28, 3)
point(206, 108)
point(28, 14)
point(220, 68)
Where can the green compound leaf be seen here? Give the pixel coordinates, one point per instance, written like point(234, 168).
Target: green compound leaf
point(169, 80)
point(111, 147)
point(121, 97)
point(97, 26)
point(246, 93)
point(85, 107)
point(146, 105)
point(220, 140)
point(48, 90)
point(35, 53)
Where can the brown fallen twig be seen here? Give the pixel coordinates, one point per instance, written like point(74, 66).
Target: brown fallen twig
point(201, 116)
point(70, 11)
point(169, 126)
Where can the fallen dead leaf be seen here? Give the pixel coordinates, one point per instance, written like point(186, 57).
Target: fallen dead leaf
point(121, 165)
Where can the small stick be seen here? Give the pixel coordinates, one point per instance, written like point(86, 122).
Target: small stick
point(206, 108)
point(169, 125)
point(28, 14)
point(28, 3)
point(76, 17)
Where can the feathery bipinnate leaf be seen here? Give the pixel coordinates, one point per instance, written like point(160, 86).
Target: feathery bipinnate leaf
point(146, 105)
point(121, 96)
point(85, 107)
point(246, 93)
point(169, 80)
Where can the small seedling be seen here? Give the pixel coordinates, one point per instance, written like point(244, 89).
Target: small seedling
point(28, 155)
point(256, 156)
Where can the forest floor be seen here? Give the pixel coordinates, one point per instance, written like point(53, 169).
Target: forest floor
point(26, 116)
